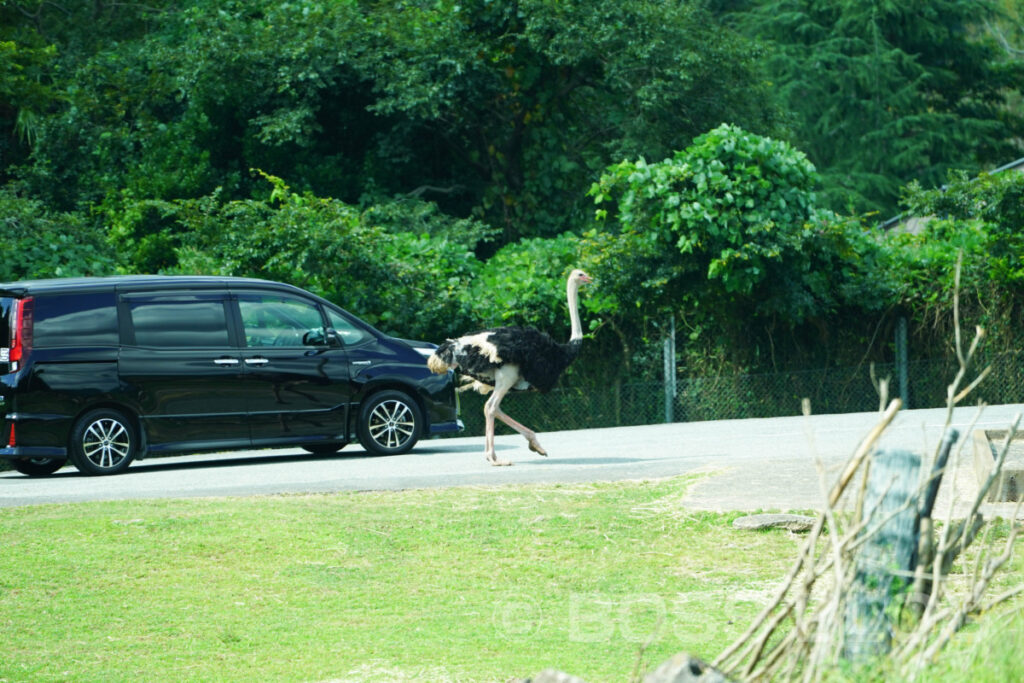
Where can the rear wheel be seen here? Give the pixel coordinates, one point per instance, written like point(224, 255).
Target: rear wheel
point(37, 467)
point(103, 441)
point(389, 423)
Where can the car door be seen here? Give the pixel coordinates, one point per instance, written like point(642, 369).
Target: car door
point(181, 363)
point(298, 377)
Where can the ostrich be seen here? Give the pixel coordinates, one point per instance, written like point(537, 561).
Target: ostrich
point(508, 358)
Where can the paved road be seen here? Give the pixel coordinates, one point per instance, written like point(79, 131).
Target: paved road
point(751, 464)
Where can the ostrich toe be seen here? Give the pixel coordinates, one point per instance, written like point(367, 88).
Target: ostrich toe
point(493, 459)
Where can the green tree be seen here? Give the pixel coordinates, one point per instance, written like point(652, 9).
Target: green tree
point(981, 220)
point(500, 111)
point(42, 244)
point(199, 97)
point(727, 236)
point(368, 261)
point(883, 93)
point(524, 284)
point(26, 95)
point(734, 218)
point(524, 102)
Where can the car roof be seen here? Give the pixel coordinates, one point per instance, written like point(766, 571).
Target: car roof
point(92, 284)
point(71, 284)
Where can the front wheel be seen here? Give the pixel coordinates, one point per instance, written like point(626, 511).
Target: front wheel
point(389, 423)
point(37, 467)
point(103, 442)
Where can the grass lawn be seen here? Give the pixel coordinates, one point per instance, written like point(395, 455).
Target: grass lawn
point(478, 584)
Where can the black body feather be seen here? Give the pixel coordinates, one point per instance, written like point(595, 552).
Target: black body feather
point(541, 360)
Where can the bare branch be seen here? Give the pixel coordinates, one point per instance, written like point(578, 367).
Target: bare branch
point(863, 450)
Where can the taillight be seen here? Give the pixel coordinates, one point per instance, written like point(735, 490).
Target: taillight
point(21, 333)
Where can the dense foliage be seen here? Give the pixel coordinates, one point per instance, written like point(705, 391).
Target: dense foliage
point(982, 219)
point(39, 243)
point(729, 215)
point(882, 93)
point(436, 166)
point(502, 111)
point(400, 279)
point(727, 236)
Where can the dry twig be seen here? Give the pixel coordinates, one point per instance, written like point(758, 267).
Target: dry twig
point(813, 609)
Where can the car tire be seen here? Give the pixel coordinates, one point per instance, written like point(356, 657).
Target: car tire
point(37, 467)
point(103, 441)
point(390, 423)
point(323, 448)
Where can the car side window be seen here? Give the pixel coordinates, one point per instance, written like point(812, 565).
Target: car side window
point(179, 324)
point(280, 321)
point(348, 331)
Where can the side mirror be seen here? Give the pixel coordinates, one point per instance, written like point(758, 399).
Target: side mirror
point(333, 338)
point(316, 337)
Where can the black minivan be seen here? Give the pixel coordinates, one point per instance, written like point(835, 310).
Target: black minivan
point(103, 371)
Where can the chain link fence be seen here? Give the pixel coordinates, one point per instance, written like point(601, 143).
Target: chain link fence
point(832, 390)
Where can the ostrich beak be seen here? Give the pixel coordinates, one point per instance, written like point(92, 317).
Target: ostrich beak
point(586, 279)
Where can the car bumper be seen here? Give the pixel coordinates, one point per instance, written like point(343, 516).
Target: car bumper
point(18, 452)
point(447, 427)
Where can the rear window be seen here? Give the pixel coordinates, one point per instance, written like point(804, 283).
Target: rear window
point(179, 324)
point(75, 320)
point(6, 306)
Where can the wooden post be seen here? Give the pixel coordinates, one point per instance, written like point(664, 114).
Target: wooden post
point(617, 401)
point(922, 587)
point(902, 360)
point(883, 565)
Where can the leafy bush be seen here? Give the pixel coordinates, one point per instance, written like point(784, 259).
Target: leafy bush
point(981, 219)
point(733, 213)
point(407, 282)
point(724, 233)
point(41, 244)
point(524, 284)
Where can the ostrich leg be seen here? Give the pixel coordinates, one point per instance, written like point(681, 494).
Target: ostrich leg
point(504, 379)
point(529, 434)
point(489, 414)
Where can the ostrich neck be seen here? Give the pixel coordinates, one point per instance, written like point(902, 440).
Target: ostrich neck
point(572, 292)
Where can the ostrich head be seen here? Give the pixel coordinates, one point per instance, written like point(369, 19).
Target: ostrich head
point(579, 277)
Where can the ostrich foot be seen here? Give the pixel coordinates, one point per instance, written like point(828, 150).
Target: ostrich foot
point(493, 459)
point(536, 447)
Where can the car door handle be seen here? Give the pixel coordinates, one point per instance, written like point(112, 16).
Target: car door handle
point(225, 361)
point(256, 361)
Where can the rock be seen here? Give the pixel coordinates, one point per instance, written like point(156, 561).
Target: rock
point(791, 522)
point(684, 668)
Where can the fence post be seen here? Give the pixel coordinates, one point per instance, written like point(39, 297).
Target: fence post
point(669, 356)
point(883, 571)
point(901, 360)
